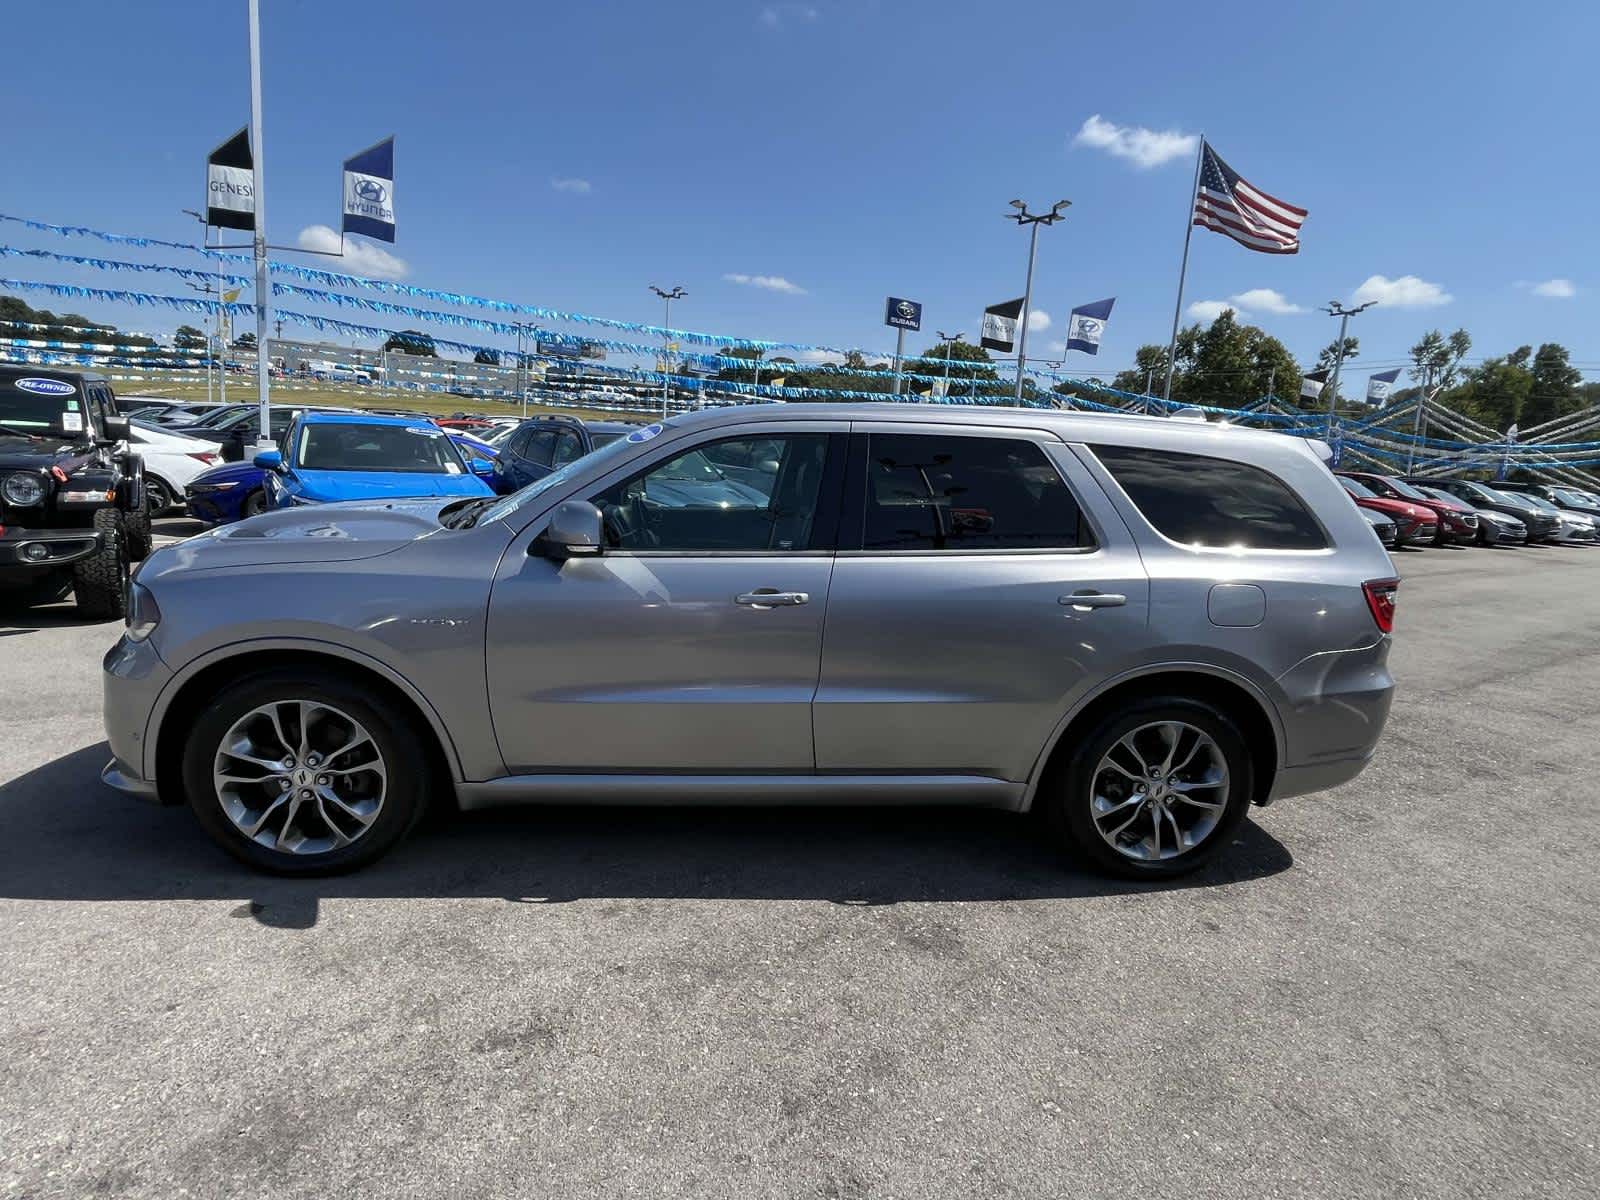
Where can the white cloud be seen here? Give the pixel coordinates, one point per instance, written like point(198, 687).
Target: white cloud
point(1207, 311)
point(1038, 320)
point(775, 16)
point(1058, 347)
point(360, 258)
point(1556, 289)
point(579, 187)
point(1405, 292)
point(1144, 148)
point(1266, 300)
point(772, 283)
point(819, 356)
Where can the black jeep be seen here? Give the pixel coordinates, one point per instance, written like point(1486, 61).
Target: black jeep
point(73, 511)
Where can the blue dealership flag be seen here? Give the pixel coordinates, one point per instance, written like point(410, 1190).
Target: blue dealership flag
point(1088, 322)
point(1380, 385)
point(369, 192)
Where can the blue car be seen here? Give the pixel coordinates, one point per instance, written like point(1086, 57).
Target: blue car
point(234, 491)
point(329, 457)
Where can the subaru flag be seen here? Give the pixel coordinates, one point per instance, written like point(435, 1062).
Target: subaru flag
point(1380, 385)
point(369, 192)
point(230, 184)
point(999, 328)
point(1088, 322)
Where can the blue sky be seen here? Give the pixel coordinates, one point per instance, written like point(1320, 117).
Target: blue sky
point(572, 155)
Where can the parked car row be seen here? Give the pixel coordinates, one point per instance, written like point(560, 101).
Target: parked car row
point(1427, 509)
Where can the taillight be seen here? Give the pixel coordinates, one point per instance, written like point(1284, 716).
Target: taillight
point(1380, 594)
point(206, 456)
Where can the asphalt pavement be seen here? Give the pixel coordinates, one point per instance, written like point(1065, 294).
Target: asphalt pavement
point(1392, 989)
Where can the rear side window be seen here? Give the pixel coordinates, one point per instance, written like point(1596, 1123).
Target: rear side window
point(1196, 500)
point(948, 492)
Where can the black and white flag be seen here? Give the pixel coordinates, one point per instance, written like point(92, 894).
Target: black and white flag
point(999, 328)
point(1312, 383)
point(1380, 385)
point(230, 185)
point(369, 192)
point(1086, 324)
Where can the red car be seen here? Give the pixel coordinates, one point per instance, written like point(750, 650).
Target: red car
point(1413, 522)
point(1457, 522)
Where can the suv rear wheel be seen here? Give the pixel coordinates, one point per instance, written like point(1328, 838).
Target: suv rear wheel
point(1154, 790)
point(100, 582)
point(303, 773)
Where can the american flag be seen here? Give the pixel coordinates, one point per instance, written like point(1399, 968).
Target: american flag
point(1225, 203)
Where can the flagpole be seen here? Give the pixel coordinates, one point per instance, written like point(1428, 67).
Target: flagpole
point(1183, 271)
point(258, 162)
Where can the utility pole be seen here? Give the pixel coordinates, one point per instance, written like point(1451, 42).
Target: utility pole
point(1335, 309)
point(1023, 217)
point(1416, 425)
point(677, 293)
point(949, 340)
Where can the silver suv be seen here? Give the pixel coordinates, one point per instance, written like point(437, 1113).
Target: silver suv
point(1134, 627)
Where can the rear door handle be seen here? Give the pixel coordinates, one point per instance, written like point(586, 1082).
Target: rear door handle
point(771, 598)
point(1089, 598)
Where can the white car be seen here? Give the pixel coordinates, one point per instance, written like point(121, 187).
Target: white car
point(171, 460)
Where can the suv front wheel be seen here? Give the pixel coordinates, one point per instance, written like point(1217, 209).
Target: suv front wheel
point(1154, 790)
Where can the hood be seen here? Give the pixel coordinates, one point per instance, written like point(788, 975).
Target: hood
point(1497, 518)
point(374, 485)
point(239, 472)
point(310, 533)
point(1410, 510)
point(18, 451)
point(1375, 518)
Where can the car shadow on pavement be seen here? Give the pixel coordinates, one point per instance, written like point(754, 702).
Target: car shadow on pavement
point(70, 837)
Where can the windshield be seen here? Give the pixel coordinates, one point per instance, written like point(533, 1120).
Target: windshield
point(1439, 494)
point(1359, 490)
point(598, 440)
point(1538, 502)
point(1405, 489)
point(507, 507)
point(211, 418)
point(41, 406)
point(1494, 497)
point(1573, 496)
point(355, 446)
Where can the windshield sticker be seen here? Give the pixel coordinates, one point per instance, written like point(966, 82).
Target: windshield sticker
point(72, 422)
point(46, 387)
point(72, 406)
point(645, 434)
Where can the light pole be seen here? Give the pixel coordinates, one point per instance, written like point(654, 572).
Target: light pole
point(1335, 309)
point(207, 289)
point(1023, 217)
point(949, 340)
point(677, 293)
point(258, 156)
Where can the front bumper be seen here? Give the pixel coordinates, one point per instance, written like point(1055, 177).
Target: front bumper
point(126, 780)
point(62, 547)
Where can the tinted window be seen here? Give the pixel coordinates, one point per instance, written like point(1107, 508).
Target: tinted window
point(1356, 488)
point(1405, 489)
point(569, 448)
point(948, 492)
point(362, 447)
point(1201, 501)
point(690, 503)
point(538, 446)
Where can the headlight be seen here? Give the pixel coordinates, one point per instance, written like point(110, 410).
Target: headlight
point(22, 489)
point(144, 614)
point(204, 489)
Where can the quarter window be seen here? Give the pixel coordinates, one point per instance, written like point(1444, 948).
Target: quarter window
point(1212, 502)
point(693, 503)
point(952, 492)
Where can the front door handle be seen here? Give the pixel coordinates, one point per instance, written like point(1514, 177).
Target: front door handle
point(1088, 598)
point(771, 598)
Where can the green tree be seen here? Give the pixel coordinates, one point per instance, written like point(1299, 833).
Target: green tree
point(1223, 365)
point(245, 341)
point(1555, 386)
point(188, 337)
point(1149, 367)
point(1438, 358)
point(1495, 391)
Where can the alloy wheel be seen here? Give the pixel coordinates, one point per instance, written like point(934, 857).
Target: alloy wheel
point(1160, 791)
point(300, 777)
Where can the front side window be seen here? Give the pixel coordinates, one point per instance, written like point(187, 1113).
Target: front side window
point(350, 446)
point(690, 503)
point(1216, 503)
point(954, 492)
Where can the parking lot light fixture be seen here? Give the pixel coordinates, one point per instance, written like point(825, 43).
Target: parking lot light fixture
point(1335, 309)
point(677, 293)
point(1023, 217)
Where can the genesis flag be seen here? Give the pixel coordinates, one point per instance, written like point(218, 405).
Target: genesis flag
point(230, 185)
point(999, 328)
point(1380, 385)
point(369, 192)
point(1086, 324)
point(1312, 383)
point(1225, 203)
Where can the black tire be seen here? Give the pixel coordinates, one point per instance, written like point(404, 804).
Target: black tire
point(158, 496)
point(1065, 796)
point(137, 524)
point(100, 582)
point(254, 504)
point(393, 732)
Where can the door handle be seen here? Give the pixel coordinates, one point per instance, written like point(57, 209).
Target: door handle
point(1088, 598)
point(771, 598)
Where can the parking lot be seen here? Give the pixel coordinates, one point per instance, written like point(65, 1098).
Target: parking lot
point(1390, 989)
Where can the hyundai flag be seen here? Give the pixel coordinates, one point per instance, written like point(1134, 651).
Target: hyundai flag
point(369, 192)
point(999, 328)
point(1086, 325)
point(230, 185)
point(1312, 383)
point(1380, 385)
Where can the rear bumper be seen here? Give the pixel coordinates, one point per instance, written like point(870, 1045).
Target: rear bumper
point(1317, 777)
point(1338, 705)
point(62, 547)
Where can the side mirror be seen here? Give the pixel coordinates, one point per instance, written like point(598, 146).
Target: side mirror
point(575, 531)
point(269, 460)
point(116, 429)
point(483, 468)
